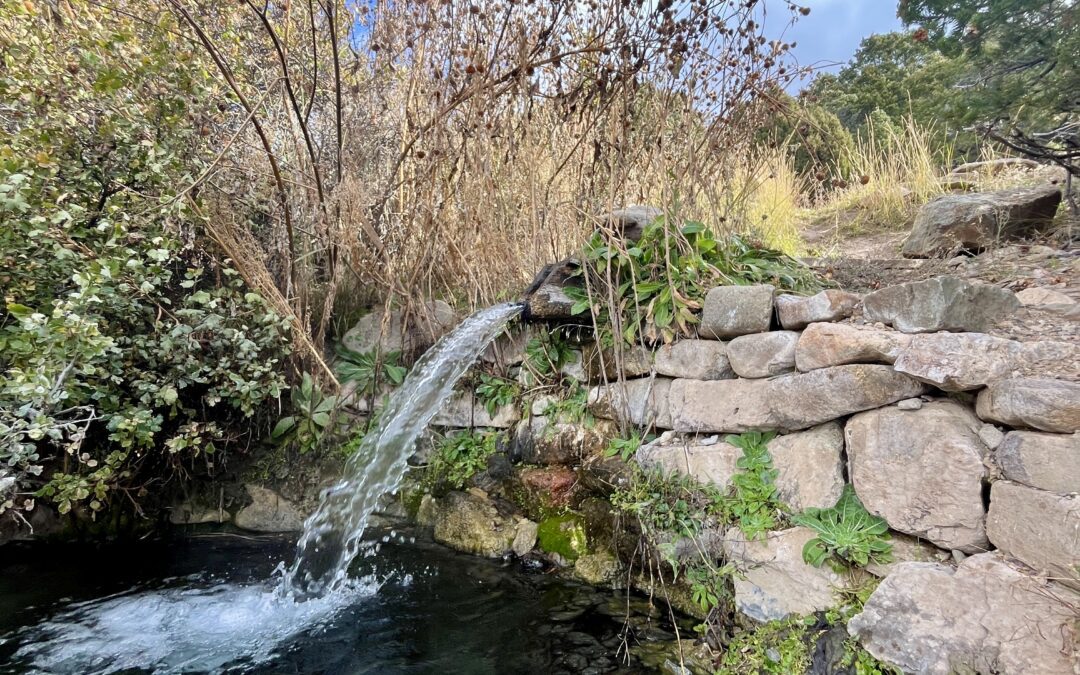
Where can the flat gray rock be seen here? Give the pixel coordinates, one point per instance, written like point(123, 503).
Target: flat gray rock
point(940, 304)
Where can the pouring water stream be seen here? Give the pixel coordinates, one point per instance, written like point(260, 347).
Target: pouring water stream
point(205, 628)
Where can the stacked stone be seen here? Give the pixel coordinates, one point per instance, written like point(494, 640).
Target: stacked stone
point(965, 443)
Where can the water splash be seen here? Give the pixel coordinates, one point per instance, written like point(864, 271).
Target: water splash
point(332, 534)
point(208, 628)
point(178, 630)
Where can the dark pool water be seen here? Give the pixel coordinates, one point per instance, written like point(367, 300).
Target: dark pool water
point(204, 604)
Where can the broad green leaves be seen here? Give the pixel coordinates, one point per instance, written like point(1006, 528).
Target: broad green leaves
point(846, 531)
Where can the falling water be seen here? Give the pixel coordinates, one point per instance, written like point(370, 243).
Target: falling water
point(333, 533)
point(204, 626)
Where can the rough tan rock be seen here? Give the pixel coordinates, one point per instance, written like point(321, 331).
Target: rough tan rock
point(810, 465)
point(1045, 461)
point(1044, 298)
point(642, 402)
point(774, 582)
point(788, 402)
point(467, 522)
point(985, 616)
point(542, 440)
point(797, 312)
point(977, 220)
point(942, 303)
point(694, 359)
point(605, 365)
point(763, 354)
point(409, 334)
point(1040, 528)
point(1039, 403)
point(964, 361)
point(731, 311)
point(708, 461)
point(464, 411)
point(268, 512)
point(823, 345)
point(524, 537)
point(908, 549)
point(546, 298)
point(922, 471)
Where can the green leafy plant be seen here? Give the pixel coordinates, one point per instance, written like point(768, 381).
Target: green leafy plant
point(659, 282)
point(847, 531)
point(623, 447)
point(313, 414)
point(368, 369)
point(546, 354)
point(496, 392)
point(571, 406)
point(754, 504)
point(775, 648)
point(458, 458)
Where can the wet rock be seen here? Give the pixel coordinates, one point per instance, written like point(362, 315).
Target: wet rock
point(508, 349)
point(731, 311)
point(823, 345)
point(465, 411)
point(763, 354)
point(268, 512)
point(1045, 461)
point(787, 402)
point(797, 312)
point(810, 466)
point(409, 333)
point(922, 471)
point(775, 582)
point(470, 523)
point(975, 221)
point(564, 535)
point(600, 569)
point(964, 361)
point(694, 359)
point(908, 549)
point(546, 298)
point(541, 440)
point(548, 487)
point(942, 303)
point(641, 402)
point(931, 618)
point(1039, 403)
point(524, 537)
point(1040, 528)
point(191, 512)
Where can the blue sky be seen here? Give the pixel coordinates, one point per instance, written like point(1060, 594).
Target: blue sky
point(829, 36)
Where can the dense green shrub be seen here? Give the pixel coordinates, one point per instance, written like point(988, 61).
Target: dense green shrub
point(126, 350)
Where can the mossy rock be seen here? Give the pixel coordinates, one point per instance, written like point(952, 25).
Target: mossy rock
point(565, 535)
point(600, 569)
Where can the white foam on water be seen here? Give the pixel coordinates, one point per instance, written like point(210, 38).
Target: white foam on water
point(179, 629)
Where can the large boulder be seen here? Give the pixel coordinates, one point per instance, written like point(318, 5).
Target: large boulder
point(922, 471)
point(796, 312)
point(823, 345)
point(787, 402)
point(774, 582)
point(964, 361)
point(810, 467)
point(731, 311)
point(268, 512)
point(985, 616)
point(763, 354)
point(694, 359)
point(942, 303)
point(975, 221)
point(641, 402)
point(1040, 528)
point(408, 332)
point(1045, 461)
point(1039, 403)
point(469, 522)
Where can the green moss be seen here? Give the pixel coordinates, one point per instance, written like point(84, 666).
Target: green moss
point(565, 535)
